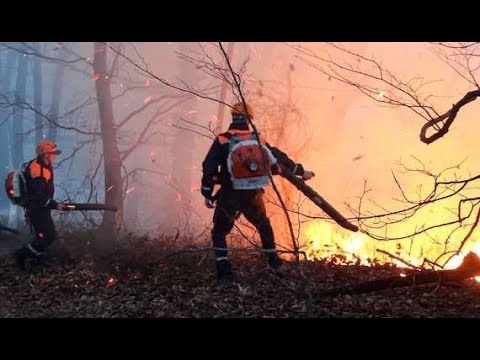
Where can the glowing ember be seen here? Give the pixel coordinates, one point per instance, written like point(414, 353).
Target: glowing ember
point(403, 275)
point(110, 187)
point(195, 187)
point(129, 190)
point(111, 282)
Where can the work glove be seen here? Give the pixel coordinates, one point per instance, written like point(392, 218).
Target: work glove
point(210, 203)
point(207, 192)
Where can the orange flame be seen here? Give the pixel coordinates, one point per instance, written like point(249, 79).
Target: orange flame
point(324, 241)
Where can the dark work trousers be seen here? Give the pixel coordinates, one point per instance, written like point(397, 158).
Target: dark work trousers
point(250, 204)
point(43, 228)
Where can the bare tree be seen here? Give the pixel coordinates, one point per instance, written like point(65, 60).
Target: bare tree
point(111, 154)
point(372, 79)
point(17, 129)
point(6, 72)
point(381, 85)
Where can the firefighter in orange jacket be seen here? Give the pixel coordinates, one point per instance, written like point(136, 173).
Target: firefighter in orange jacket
point(40, 189)
point(241, 189)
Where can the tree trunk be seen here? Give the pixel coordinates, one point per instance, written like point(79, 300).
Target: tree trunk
point(17, 127)
point(6, 65)
point(56, 101)
point(17, 132)
point(112, 162)
point(37, 94)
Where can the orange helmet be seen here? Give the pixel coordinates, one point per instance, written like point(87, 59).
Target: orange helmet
point(238, 108)
point(47, 147)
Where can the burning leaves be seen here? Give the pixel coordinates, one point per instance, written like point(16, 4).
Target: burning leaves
point(325, 241)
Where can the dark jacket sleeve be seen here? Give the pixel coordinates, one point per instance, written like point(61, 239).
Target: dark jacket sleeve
point(284, 160)
point(38, 194)
point(210, 165)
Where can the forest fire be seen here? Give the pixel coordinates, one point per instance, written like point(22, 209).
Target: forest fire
point(142, 150)
point(327, 242)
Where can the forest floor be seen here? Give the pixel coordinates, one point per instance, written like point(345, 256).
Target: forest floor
point(140, 282)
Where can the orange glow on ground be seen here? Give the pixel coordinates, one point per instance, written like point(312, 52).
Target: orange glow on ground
point(327, 242)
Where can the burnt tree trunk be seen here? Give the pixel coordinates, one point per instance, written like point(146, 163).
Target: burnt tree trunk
point(37, 94)
point(112, 162)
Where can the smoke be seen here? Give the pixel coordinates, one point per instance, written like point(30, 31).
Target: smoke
point(331, 128)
